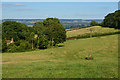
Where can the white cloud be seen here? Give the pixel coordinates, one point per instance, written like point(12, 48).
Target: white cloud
point(19, 5)
point(11, 5)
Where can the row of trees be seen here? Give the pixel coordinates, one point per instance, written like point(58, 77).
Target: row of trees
point(112, 20)
point(42, 35)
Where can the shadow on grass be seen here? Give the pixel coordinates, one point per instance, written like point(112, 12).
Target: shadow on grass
point(60, 45)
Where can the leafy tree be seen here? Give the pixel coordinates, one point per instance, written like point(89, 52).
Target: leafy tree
point(4, 46)
point(24, 45)
point(50, 31)
point(15, 30)
point(42, 42)
point(112, 20)
point(38, 28)
point(94, 23)
point(54, 30)
point(32, 36)
point(12, 48)
point(17, 43)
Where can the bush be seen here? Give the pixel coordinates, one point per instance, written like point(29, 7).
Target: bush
point(4, 46)
point(17, 43)
point(24, 45)
point(12, 47)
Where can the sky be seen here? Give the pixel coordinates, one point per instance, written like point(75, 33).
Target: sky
point(61, 10)
point(60, 0)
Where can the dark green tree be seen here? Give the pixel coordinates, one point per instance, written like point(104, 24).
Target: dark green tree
point(54, 30)
point(112, 20)
point(4, 46)
point(32, 37)
point(23, 46)
point(94, 23)
point(42, 42)
point(39, 29)
point(15, 30)
point(39, 36)
point(11, 48)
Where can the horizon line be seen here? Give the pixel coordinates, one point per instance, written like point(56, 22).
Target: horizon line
point(46, 18)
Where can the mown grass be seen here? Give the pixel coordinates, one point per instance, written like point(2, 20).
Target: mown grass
point(67, 61)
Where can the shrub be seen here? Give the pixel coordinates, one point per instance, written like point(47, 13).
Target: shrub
point(24, 45)
point(4, 46)
point(17, 43)
point(12, 47)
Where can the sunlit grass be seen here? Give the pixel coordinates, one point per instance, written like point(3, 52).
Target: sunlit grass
point(67, 61)
point(96, 29)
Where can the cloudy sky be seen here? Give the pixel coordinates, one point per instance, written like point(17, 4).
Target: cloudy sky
point(62, 10)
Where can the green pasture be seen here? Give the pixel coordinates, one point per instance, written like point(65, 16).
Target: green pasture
point(95, 29)
point(67, 60)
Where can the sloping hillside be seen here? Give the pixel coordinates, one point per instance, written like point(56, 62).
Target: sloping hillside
point(96, 29)
point(66, 61)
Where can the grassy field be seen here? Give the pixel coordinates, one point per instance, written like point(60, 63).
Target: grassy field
point(96, 29)
point(66, 61)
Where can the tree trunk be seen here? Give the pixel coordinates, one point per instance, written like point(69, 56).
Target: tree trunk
point(32, 43)
point(38, 43)
point(52, 42)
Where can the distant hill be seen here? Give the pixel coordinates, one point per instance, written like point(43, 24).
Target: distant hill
point(67, 23)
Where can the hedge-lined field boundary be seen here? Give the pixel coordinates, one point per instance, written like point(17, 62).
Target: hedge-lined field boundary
point(87, 35)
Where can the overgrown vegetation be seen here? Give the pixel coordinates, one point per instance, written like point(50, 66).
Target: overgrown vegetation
point(49, 32)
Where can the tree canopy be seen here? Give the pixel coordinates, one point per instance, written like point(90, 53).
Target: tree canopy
point(52, 29)
point(16, 30)
point(94, 23)
point(112, 20)
point(43, 34)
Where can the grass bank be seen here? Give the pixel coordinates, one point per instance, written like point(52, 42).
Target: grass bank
point(97, 31)
point(66, 61)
